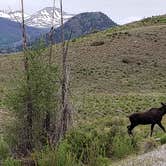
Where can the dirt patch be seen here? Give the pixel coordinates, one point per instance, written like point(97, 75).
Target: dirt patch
point(154, 158)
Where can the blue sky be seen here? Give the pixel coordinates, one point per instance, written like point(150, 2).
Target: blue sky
point(120, 11)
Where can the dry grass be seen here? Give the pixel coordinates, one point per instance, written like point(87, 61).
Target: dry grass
point(103, 68)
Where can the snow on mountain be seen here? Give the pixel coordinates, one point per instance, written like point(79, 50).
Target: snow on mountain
point(41, 19)
point(17, 16)
point(12, 15)
point(44, 18)
point(4, 14)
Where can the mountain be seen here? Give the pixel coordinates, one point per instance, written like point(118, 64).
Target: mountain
point(10, 34)
point(41, 19)
point(17, 16)
point(13, 15)
point(83, 24)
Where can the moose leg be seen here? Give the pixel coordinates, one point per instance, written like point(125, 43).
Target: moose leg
point(152, 126)
point(161, 126)
point(129, 132)
point(130, 128)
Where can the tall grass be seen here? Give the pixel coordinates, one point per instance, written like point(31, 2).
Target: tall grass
point(62, 156)
point(4, 149)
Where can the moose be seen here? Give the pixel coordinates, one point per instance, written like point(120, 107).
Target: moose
point(152, 116)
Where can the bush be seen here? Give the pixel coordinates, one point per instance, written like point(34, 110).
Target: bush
point(122, 146)
point(4, 149)
point(97, 43)
point(74, 40)
point(40, 93)
point(103, 161)
point(11, 162)
point(87, 146)
point(163, 139)
point(62, 156)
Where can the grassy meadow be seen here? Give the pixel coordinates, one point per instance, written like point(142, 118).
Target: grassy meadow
point(123, 68)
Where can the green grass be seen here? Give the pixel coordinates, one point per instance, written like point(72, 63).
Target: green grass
point(102, 105)
point(130, 60)
point(126, 72)
point(150, 21)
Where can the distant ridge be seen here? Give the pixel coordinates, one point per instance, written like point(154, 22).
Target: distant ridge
point(10, 35)
point(80, 24)
point(85, 23)
point(40, 19)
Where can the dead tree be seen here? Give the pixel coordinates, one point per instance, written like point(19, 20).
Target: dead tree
point(47, 120)
point(64, 120)
point(51, 33)
point(29, 112)
point(66, 110)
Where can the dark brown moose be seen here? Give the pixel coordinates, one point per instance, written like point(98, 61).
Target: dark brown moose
point(152, 116)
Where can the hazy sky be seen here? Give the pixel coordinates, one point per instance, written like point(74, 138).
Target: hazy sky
point(120, 11)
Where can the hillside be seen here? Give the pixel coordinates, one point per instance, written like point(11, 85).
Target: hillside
point(10, 34)
point(84, 23)
point(80, 25)
point(124, 59)
point(122, 68)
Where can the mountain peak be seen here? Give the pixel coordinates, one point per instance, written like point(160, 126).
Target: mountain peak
point(40, 19)
point(43, 18)
point(85, 23)
point(12, 15)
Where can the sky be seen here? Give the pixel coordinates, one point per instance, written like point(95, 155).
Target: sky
point(121, 11)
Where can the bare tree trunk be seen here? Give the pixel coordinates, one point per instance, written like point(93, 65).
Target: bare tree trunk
point(23, 29)
point(29, 108)
point(51, 33)
point(66, 112)
point(64, 61)
point(47, 120)
point(64, 116)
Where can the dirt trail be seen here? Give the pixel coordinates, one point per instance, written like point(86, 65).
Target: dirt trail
point(153, 158)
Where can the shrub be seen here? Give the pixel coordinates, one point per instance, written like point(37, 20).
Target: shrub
point(97, 43)
point(62, 156)
point(74, 40)
point(95, 31)
point(122, 146)
point(40, 91)
point(4, 149)
point(102, 161)
point(11, 162)
point(163, 139)
point(88, 147)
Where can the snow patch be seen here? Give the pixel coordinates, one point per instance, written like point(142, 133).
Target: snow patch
point(40, 19)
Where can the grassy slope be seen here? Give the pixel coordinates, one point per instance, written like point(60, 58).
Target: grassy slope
point(126, 72)
point(132, 60)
